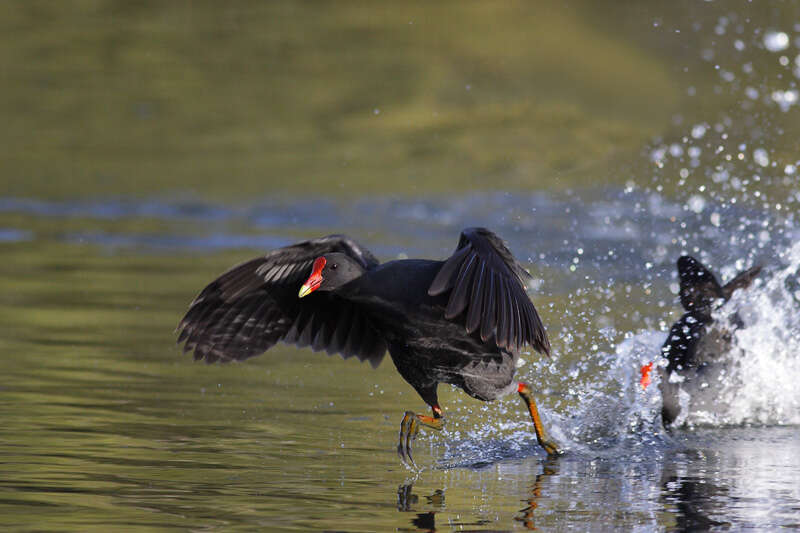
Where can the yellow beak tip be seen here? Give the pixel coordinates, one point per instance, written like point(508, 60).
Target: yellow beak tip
point(305, 290)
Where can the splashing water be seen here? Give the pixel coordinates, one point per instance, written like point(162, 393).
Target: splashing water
point(764, 364)
point(606, 411)
point(762, 367)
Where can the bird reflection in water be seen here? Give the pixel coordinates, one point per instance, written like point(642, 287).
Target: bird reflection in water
point(407, 500)
point(526, 515)
point(695, 500)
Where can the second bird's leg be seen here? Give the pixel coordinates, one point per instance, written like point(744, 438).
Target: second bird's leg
point(409, 428)
point(541, 435)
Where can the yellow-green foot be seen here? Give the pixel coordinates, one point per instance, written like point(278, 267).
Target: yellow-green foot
point(409, 428)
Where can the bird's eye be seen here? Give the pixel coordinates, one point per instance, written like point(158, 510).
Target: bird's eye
point(334, 266)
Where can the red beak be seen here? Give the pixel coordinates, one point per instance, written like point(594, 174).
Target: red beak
point(314, 280)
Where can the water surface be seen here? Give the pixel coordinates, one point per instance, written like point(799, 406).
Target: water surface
point(150, 147)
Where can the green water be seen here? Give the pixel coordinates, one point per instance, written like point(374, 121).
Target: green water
point(350, 98)
point(148, 146)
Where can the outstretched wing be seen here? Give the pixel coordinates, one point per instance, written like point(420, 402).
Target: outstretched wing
point(699, 287)
point(488, 285)
point(741, 281)
point(254, 305)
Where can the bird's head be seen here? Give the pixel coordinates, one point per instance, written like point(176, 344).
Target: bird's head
point(331, 271)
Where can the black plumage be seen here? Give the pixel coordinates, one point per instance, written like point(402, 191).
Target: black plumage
point(254, 305)
point(692, 348)
point(460, 321)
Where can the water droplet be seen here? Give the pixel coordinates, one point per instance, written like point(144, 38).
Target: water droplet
point(698, 131)
point(696, 203)
point(775, 41)
point(761, 157)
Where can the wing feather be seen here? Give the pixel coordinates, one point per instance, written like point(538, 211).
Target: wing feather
point(475, 311)
point(444, 279)
point(458, 300)
point(741, 281)
point(501, 331)
point(699, 288)
point(489, 323)
point(487, 292)
point(254, 305)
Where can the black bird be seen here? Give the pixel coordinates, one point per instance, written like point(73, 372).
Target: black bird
point(460, 321)
point(693, 348)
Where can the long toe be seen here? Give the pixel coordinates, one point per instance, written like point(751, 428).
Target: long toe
point(551, 448)
point(410, 438)
point(401, 444)
point(409, 428)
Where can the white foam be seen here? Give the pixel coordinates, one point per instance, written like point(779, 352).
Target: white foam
point(764, 384)
point(761, 381)
point(603, 408)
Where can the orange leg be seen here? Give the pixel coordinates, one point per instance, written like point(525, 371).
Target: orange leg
point(409, 428)
point(549, 446)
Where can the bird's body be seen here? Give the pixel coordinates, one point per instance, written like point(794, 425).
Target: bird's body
point(459, 321)
point(698, 348)
point(425, 348)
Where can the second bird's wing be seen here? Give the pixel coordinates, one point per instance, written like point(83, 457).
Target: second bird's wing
point(699, 287)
